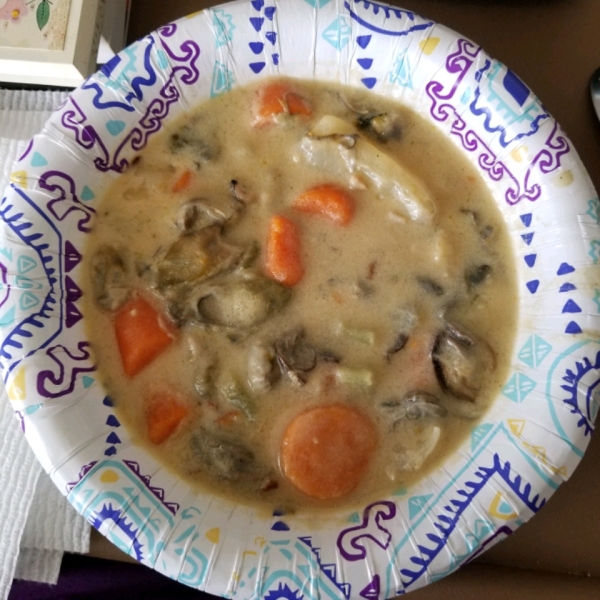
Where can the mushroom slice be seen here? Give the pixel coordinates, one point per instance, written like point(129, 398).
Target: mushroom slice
point(326, 148)
point(193, 258)
point(241, 302)
point(200, 213)
point(414, 406)
point(109, 279)
point(226, 459)
point(461, 363)
point(295, 356)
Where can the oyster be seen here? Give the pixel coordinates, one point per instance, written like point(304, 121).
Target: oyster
point(461, 362)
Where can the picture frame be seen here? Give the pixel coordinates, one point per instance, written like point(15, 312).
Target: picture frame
point(66, 67)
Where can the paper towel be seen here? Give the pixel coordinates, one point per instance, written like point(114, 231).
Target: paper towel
point(37, 524)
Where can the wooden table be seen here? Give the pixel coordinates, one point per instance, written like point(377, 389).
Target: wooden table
point(554, 46)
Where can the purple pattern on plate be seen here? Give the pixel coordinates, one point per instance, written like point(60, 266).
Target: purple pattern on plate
point(73, 118)
point(349, 540)
point(119, 517)
point(82, 474)
point(52, 384)
point(134, 85)
point(582, 382)
point(184, 69)
point(40, 235)
point(547, 160)
point(21, 416)
point(27, 150)
point(158, 492)
point(168, 30)
point(501, 533)
point(446, 522)
point(65, 200)
point(396, 21)
point(73, 291)
point(329, 569)
point(5, 285)
point(516, 97)
point(372, 590)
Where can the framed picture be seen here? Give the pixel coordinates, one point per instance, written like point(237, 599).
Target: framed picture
point(49, 42)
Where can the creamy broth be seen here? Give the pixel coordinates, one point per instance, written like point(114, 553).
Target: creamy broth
point(406, 297)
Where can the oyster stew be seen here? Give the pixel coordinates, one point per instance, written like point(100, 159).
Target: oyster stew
point(300, 295)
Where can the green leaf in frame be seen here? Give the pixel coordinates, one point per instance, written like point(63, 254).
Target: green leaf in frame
point(43, 14)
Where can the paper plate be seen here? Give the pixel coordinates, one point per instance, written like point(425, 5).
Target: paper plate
point(517, 455)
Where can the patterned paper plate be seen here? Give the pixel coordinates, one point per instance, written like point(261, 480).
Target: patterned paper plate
point(523, 449)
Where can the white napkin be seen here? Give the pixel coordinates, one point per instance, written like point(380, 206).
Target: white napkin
point(37, 524)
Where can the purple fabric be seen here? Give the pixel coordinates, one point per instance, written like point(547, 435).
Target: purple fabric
point(85, 578)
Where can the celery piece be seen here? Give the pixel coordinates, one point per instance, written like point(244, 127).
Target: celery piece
point(359, 378)
point(364, 336)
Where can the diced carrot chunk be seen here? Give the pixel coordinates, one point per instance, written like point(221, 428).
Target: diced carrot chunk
point(142, 334)
point(272, 100)
point(163, 415)
point(183, 181)
point(326, 450)
point(277, 98)
point(284, 258)
point(420, 373)
point(329, 201)
point(297, 105)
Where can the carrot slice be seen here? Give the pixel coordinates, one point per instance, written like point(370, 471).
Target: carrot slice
point(284, 260)
point(163, 415)
point(326, 450)
point(278, 98)
point(329, 201)
point(141, 335)
point(183, 182)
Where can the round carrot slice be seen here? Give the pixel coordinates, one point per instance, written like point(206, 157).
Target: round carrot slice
point(326, 450)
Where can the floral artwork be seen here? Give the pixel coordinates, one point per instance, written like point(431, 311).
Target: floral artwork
point(34, 23)
point(13, 10)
